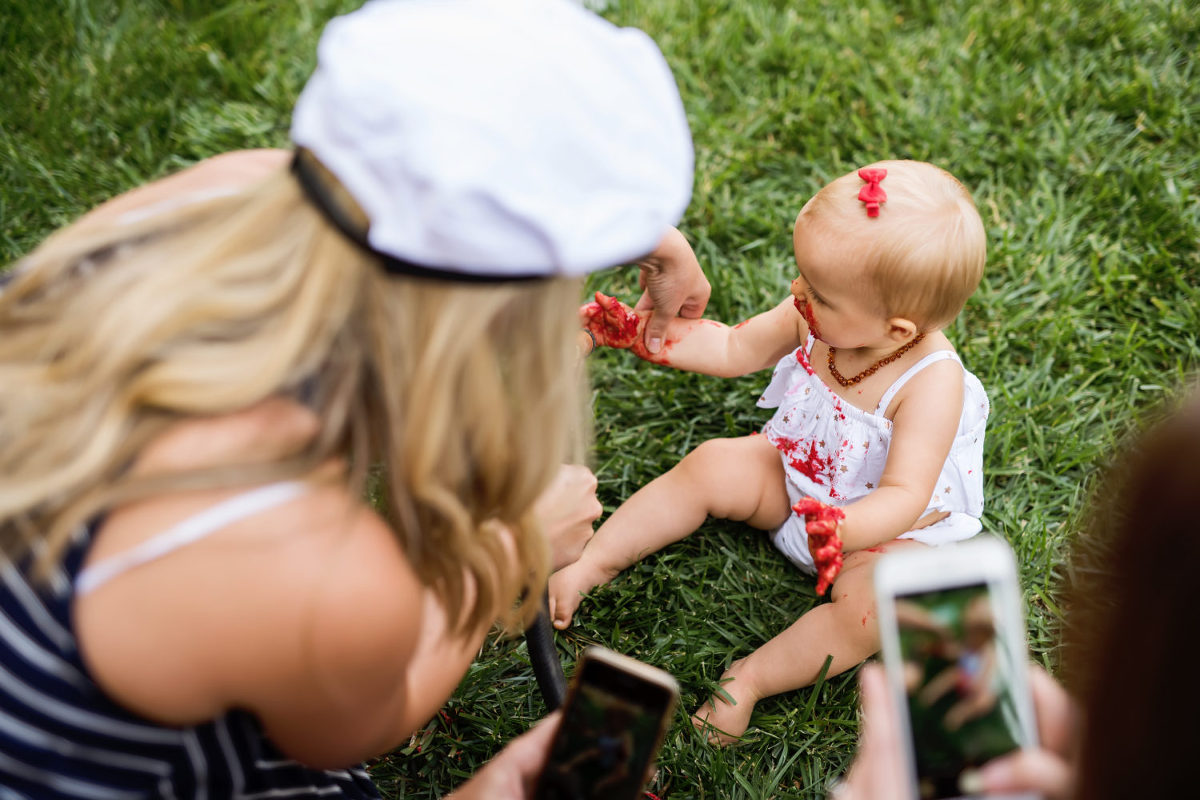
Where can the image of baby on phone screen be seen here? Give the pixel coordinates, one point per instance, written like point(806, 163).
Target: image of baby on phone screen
point(957, 704)
point(877, 440)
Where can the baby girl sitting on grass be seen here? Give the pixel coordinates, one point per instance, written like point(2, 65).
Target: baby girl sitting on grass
point(877, 441)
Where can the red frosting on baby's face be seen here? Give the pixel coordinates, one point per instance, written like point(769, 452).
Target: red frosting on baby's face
point(805, 309)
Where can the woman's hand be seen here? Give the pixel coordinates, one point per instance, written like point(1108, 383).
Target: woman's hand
point(1048, 768)
point(675, 286)
point(568, 509)
point(879, 773)
point(512, 774)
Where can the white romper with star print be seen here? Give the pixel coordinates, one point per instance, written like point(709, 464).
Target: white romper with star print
point(835, 452)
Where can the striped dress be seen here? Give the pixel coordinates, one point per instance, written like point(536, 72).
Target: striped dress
point(61, 737)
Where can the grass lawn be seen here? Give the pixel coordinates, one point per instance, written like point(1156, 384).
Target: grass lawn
point(1076, 124)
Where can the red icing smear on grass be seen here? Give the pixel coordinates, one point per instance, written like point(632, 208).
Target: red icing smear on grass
point(821, 525)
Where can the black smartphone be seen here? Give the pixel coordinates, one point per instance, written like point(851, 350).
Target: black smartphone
point(615, 716)
point(953, 635)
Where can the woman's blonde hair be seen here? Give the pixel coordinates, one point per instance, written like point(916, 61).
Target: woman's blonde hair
point(465, 395)
point(925, 252)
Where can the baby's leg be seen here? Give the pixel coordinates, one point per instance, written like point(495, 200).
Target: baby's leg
point(845, 629)
point(740, 479)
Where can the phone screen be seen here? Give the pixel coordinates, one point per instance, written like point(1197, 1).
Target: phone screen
point(958, 673)
point(611, 728)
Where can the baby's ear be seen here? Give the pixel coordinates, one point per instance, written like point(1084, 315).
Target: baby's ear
point(901, 330)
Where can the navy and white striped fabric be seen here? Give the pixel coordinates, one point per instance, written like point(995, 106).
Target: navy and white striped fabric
point(61, 737)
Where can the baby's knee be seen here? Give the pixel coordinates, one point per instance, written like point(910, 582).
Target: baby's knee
point(703, 461)
point(721, 455)
point(855, 611)
point(711, 450)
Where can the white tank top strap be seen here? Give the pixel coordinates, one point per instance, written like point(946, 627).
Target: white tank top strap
point(890, 394)
point(808, 344)
point(189, 530)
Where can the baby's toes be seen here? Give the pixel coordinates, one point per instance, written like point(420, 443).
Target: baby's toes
point(560, 613)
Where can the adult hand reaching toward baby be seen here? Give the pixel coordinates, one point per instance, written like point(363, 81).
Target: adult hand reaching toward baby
point(674, 285)
point(568, 509)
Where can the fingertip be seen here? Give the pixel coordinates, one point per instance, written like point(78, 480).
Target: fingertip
point(1027, 770)
point(653, 336)
point(872, 688)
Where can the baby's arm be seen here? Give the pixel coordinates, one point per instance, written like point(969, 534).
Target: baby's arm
point(698, 345)
point(923, 429)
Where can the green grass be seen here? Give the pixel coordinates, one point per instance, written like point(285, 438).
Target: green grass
point(1075, 123)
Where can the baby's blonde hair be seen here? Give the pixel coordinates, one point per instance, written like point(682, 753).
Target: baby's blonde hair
point(466, 395)
point(925, 252)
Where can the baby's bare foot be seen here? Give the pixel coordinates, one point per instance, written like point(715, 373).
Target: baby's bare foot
point(724, 719)
point(568, 585)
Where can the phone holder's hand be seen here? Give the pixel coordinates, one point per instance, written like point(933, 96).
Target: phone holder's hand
point(612, 323)
point(823, 542)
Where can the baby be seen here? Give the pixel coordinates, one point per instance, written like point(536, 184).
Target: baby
point(877, 441)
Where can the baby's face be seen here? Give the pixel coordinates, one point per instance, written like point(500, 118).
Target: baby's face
point(831, 291)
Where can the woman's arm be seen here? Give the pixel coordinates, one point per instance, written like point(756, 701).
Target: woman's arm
point(699, 345)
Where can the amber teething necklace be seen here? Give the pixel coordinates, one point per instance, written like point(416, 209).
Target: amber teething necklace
point(869, 371)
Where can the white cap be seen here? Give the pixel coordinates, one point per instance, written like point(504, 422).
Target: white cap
point(499, 137)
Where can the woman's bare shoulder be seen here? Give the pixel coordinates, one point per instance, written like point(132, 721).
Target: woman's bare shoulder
point(306, 612)
point(343, 693)
point(225, 171)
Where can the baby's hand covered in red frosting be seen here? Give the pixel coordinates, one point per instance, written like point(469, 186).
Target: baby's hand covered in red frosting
point(823, 542)
point(614, 324)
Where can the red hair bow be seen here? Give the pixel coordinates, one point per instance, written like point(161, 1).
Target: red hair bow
point(872, 194)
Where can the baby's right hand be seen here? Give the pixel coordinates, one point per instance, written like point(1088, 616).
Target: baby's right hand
point(613, 323)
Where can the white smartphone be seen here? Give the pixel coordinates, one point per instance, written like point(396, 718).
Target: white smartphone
point(952, 626)
point(615, 716)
